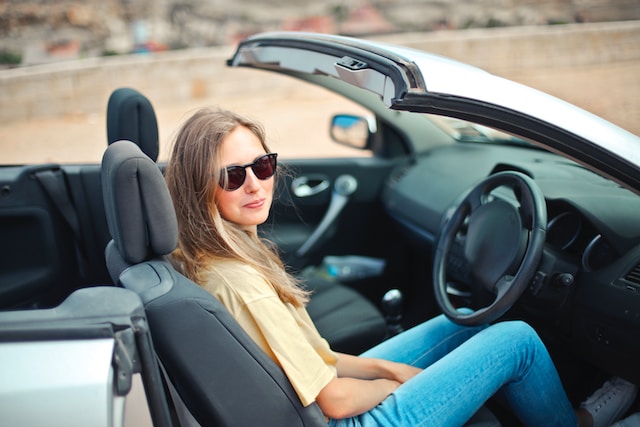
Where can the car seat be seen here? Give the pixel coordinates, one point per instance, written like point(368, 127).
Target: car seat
point(344, 317)
point(131, 116)
point(220, 375)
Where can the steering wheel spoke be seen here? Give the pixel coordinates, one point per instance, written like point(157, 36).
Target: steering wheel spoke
point(503, 286)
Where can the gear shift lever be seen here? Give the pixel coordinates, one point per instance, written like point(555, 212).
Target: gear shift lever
point(392, 310)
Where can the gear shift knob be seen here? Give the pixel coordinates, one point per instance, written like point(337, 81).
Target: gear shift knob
point(392, 310)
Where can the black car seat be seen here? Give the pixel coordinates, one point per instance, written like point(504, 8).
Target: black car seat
point(344, 317)
point(131, 116)
point(219, 373)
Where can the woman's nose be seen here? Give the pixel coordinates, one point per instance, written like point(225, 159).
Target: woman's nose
point(251, 183)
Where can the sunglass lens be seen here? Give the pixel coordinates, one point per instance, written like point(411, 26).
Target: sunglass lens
point(235, 177)
point(264, 167)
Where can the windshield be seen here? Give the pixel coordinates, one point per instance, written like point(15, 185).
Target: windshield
point(464, 131)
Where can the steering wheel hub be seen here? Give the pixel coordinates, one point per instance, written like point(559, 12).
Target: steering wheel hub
point(494, 242)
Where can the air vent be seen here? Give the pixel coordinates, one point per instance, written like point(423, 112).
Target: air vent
point(397, 176)
point(634, 275)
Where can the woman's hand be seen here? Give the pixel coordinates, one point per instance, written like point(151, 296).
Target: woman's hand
point(367, 368)
point(362, 384)
point(400, 372)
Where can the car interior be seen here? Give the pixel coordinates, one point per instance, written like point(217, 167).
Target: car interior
point(88, 262)
point(188, 369)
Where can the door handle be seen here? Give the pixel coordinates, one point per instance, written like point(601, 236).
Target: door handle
point(306, 186)
point(344, 186)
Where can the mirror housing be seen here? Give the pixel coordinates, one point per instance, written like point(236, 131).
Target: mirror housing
point(353, 131)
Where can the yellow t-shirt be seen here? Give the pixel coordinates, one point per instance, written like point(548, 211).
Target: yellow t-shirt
point(285, 332)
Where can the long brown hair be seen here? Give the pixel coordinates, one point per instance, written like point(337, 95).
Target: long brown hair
point(192, 175)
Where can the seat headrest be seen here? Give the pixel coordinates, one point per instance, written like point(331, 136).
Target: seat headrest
point(138, 206)
point(130, 116)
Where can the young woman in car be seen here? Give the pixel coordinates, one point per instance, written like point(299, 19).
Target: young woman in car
point(221, 178)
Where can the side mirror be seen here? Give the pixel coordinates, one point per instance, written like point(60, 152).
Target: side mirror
point(353, 131)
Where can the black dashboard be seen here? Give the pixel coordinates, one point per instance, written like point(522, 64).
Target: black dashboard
point(589, 276)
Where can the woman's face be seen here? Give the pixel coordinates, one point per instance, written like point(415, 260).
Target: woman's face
point(249, 205)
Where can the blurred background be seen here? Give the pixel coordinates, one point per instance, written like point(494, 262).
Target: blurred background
point(60, 59)
point(38, 31)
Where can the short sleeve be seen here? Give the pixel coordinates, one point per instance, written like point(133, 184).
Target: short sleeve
point(283, 331)
point(308, 367)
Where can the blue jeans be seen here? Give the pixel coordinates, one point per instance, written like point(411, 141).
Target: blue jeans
point(463, 367)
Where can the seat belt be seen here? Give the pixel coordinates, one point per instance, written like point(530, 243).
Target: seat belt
point(55, 186)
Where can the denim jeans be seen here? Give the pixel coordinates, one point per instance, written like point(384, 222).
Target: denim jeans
point(463, 367)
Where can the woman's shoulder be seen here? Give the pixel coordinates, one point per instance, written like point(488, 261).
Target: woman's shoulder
point(240, 278)
point(230, 267)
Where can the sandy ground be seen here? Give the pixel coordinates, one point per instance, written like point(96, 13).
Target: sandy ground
point(297, 121)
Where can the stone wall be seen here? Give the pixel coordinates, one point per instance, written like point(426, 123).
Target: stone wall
point(507, 50)
point(45, 31)
point(83, 87)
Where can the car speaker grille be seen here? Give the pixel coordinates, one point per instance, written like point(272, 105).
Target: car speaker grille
point(634, 275)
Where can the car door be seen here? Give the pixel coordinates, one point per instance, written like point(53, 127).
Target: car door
point(88, 361)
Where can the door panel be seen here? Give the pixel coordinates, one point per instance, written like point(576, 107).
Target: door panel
point(42, 260)
point(38, 263)
point(358, 227)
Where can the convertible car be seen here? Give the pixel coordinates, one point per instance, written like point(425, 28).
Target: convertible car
point(469, 190)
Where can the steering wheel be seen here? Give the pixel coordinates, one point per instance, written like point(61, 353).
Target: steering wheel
point(502, 244)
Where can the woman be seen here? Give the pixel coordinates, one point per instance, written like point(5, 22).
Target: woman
point(221, 178)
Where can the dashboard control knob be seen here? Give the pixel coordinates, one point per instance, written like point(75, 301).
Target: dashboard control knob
point(564, 279)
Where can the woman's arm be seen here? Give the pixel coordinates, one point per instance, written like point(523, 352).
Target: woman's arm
point(362, 384)
point(368, 368)
point(347, 397)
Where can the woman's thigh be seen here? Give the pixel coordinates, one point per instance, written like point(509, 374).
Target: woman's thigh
point(425, 343)
point(452, 388)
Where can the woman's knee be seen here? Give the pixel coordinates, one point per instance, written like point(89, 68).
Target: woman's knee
point(518, 330)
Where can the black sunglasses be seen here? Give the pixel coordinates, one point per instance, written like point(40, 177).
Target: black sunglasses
point(232, 177)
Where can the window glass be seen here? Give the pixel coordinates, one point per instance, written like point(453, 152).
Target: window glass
point(462, 130)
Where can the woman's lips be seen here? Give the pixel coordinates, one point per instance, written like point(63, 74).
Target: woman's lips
point(255, 204)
